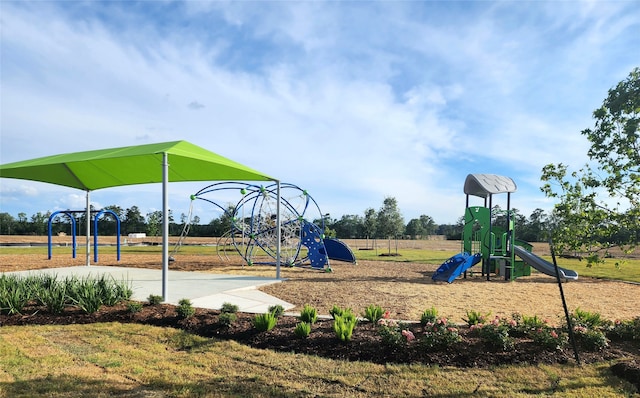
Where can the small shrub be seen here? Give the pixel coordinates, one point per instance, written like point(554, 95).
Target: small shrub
point(590, 339)
point(393, 333)
point(309, 314)
point(390, 335)
point(439, 334)
point(476, 317)
point(134, 306)
point(373, 313)
point(343, 327)
point(228, 308)
point(154, 299)
point(625, 330)
point(549, 338)
point(495, 334)
point(277, 310)
point(227, 318)
point(265, 322)
point(430, 315)
point(302, 330)
point(185, 309)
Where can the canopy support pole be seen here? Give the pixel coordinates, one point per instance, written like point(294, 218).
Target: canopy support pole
point(165, 227)
point(278, 231)
point(88, 221)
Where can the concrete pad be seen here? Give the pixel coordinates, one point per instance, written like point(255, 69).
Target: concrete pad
point(203, 289)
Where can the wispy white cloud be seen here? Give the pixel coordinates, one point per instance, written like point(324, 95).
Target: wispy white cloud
point(353, 101)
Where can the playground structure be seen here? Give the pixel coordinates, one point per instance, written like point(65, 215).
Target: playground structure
point(96, 216)
point(253, 230)
point(495, 246)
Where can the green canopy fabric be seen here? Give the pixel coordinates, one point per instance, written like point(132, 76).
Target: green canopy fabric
point(143, 164)
point(131, 165)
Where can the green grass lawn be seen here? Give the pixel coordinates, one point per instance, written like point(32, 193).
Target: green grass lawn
point(110, 359)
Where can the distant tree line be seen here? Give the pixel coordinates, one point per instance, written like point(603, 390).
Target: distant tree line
point(386, 222)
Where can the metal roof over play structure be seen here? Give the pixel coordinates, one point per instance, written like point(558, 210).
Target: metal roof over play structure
point(484, 185)
point(142, 164)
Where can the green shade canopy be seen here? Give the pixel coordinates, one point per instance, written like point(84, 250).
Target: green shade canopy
point(131, 165)
point(143, 164)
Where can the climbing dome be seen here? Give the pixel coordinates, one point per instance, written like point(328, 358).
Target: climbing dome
point(253, 227)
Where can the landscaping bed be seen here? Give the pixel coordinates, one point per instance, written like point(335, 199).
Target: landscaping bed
point(405, 290)
point(366, 343)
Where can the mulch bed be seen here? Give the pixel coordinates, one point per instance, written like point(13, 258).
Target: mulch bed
point(366, 344)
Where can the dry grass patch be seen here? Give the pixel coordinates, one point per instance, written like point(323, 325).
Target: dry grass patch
point(403, 288)
point(142, 361)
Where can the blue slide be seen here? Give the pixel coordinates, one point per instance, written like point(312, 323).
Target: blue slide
point(338, 250)
point(455, 266)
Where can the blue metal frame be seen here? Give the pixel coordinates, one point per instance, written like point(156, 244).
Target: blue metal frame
point(73, 230)
point(259, 227)
point(95, 233)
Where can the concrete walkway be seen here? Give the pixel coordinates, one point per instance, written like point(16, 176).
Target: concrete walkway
point(203, 289)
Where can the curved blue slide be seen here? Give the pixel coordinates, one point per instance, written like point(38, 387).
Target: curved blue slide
point(455, 266)
point(543, 265)
point(338, 250)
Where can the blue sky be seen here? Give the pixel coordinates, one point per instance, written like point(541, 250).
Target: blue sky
point(352, 101)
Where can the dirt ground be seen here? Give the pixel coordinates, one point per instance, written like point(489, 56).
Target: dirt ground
point(404, 289)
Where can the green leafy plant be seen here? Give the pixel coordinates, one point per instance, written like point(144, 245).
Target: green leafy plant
point(302, 330)
point(54, 296)
point(343, 327)
point(14, 294)
point(476, 317)
point(430, 315)
point(134, 306)
point(277, 310)
point(123, 290)
point(308, 314)
point(587, 319)
point(86, 294)
point(373, 313)
point(227, 318)
point(113, 292)
point(154, 299)
point(265, 322)
point(185, 309)
point(339, 311)
point(532, 322)
point(228, 308)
